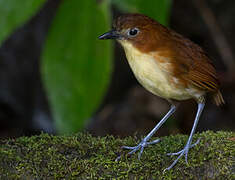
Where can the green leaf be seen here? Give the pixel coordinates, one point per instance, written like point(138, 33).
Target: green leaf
point(76, 65)
point(157, 9)
point(14, 13)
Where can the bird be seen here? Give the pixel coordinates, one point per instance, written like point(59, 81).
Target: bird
point(169, 66)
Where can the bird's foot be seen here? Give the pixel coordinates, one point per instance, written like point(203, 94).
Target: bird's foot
point(140, 147)
point(181, 153)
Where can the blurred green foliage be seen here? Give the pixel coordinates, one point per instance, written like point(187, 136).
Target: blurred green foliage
point(14, 13)
point(76, 67)
point(157, 9)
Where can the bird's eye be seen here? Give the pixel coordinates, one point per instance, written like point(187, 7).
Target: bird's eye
point(133, 32)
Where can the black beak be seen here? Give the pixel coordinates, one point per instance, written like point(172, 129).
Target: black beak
point(113, 34)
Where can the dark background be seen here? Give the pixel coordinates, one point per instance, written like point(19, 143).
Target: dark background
point(127, 108)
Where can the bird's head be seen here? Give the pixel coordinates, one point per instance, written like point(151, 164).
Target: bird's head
point(138, 30)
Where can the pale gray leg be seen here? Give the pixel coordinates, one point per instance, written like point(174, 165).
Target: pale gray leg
point(188, 144)
point(144, 142)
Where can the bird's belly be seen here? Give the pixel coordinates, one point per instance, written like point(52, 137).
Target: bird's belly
point(151, 75)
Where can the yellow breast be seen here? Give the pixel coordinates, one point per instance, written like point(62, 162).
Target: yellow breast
point(152, 75)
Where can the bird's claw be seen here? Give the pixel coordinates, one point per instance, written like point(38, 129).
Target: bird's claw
point(140, 147)
point(181, 153)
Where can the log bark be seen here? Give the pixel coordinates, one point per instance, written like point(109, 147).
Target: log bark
point(82, 156)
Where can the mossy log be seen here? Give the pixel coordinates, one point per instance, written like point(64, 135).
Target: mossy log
point(82, 156)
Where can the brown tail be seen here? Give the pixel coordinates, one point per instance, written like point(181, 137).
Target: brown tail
point(218, 98)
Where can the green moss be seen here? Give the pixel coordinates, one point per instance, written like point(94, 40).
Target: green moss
point(82, 156)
